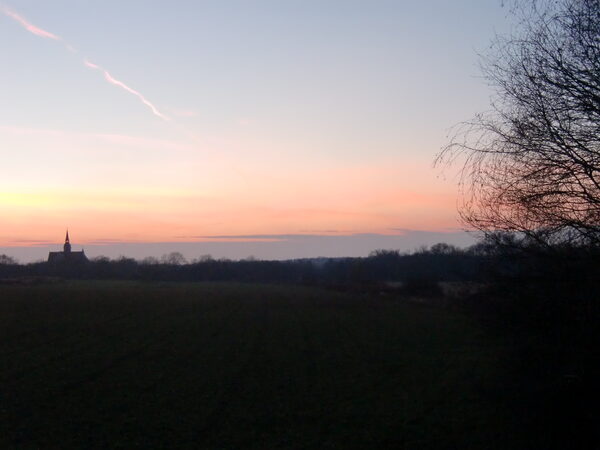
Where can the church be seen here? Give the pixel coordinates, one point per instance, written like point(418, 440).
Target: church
point(67, 256)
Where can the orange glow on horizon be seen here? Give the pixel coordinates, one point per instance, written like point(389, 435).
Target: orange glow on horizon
point(191, 196)
point(163, 216)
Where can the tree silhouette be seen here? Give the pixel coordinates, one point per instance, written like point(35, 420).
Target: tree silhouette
point(8, 260)
point(532, 163)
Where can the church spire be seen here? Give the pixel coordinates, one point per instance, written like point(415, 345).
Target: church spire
point(67, 246)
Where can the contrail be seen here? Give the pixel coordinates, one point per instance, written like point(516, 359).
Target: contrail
point(28, 26)
point(107, 76)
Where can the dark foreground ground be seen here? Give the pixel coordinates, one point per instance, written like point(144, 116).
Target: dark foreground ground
point(92, 365)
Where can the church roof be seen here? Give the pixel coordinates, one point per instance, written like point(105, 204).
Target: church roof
point(70, 257)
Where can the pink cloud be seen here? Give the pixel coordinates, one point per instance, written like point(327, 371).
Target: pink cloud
point(230, 239)
point(30, 131)
point(108, 77)
point(143, 142)
point(118, 139)
point(28, 26)
point(91, 65)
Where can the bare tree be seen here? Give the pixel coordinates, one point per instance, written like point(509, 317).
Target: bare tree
point(8, 260)
point(173, 258)
point(532, 163)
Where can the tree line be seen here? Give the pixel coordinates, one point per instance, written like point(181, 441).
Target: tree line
point(490, 259)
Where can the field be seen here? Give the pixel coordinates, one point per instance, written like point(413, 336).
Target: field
point(94, 365)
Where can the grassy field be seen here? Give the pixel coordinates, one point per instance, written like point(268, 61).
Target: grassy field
point(241, 366)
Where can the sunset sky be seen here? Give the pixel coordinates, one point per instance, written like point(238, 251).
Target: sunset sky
point(248, 123)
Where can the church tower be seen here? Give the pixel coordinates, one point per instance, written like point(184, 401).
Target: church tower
point(67, 256)
point(67, 246)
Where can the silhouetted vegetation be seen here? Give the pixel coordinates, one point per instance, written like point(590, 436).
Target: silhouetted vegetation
point(532, 163)
point(498, 257)
point(441, 263)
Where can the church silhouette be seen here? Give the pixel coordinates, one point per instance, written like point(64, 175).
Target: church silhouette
point(67, 256)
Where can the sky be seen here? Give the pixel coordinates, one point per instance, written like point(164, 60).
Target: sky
point(273, 128)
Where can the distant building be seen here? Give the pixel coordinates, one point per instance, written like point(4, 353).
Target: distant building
point(67, 256)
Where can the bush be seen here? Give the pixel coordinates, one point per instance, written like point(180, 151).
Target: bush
point(422, 287)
